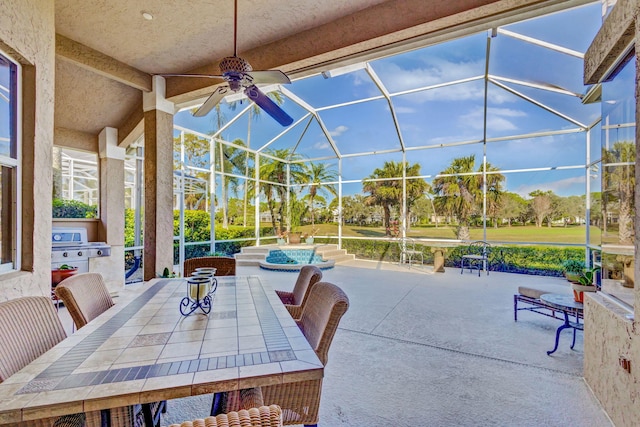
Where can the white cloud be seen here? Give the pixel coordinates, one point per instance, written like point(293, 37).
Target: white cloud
point(338, 131)
point(405, 110)
point(321, 145)
point(433, 71)
point(497, 119)
point(561, 187)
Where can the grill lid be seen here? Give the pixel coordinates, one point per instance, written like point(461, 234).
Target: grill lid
point(68, 236)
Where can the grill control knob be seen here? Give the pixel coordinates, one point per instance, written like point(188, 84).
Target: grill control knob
point(79, 253)
point(65, 254)
point(99, 252)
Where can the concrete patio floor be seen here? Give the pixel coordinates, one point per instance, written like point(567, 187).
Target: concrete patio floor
point(418, 348)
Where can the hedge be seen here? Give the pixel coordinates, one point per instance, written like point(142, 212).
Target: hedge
point(536, 260)
point(62, 208)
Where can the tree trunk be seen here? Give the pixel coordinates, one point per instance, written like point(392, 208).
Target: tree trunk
point(462, 232)
point(225, 222)
point(387, 219)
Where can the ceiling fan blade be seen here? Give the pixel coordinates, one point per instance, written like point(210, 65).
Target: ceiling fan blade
point(270, 107)
point(203, 76)
point(212, 101)
point(268, 77)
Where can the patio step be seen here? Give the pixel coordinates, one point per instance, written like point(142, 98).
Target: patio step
point(252, 255)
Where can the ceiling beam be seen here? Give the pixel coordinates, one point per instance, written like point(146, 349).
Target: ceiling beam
point(97, 62)
point(615, 35)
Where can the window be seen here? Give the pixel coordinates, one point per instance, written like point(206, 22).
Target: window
point(75, 184)
point(9, 162)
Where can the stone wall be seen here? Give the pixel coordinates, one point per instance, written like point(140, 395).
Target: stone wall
point(610, 339)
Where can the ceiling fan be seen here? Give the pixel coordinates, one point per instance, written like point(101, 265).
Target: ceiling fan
point(239, 75)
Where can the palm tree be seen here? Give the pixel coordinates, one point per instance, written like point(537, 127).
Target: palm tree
point(254, 112)
point(274, 173)
point(317, 174)
point(388, 192)
point(619, 182)
point(459, 192)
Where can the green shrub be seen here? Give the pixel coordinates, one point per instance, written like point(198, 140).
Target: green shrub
point(572, 266)
point(538, 260)
point(62, 208)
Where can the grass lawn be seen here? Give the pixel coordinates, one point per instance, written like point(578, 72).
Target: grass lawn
point(571, 234)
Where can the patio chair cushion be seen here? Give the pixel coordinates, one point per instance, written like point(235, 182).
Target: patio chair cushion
point(531, 292)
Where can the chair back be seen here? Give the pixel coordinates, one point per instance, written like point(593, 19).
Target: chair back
point(30, 327)
point(226, 266)
point(86, 297)
point(309, 275)
point(321, 315)
point(479, 247)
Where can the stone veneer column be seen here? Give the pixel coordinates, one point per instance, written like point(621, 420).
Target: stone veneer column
point(111, 229)
point(158, 180)
point(611, 337)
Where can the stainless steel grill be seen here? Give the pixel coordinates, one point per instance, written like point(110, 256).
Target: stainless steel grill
point(69, 245)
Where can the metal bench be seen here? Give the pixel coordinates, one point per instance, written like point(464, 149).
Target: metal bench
point(531, 297)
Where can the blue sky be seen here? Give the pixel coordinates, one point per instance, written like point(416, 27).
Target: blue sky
point(453, 113)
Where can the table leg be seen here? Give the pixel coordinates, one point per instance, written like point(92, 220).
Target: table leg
point(216, 405)
point(563, 326)
point(105, 418)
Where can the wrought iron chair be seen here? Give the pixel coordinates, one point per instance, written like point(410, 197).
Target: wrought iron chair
point(294, 301)
point(86, 297)
point(476, 257)
point(409, 253)
point(225, 266)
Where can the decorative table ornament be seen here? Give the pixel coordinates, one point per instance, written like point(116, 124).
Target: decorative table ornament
point(212, 272)
point(198, 295)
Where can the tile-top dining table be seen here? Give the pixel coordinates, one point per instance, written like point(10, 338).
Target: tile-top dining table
point(144, 350)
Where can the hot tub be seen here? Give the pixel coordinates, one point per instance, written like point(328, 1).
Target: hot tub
point(294, 259)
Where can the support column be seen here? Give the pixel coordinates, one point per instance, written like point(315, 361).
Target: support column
point(158, 180)
point(111, 228)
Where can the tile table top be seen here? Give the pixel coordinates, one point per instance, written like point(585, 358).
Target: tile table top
point(143, 350)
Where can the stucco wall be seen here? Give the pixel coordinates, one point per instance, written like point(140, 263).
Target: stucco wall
point(27, 29)
point(609, 338)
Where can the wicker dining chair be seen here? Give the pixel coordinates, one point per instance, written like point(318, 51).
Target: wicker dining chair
point(294, 301)
point(264, 416)
point(225, 266)
point(31, 327)
point(86, 296)
point(300, 401)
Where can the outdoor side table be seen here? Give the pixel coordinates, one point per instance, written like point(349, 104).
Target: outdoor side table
point(566, 304)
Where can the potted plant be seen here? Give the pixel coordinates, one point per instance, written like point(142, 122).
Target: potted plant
point(61, 273)
point(308, 237)
point(294, 238)
point(280, 240)
point(585, 284)
point(572, 270)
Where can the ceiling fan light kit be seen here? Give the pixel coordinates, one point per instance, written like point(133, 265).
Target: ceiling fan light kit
point(239, 75)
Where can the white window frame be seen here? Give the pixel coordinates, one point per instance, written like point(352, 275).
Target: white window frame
point(16, 165)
